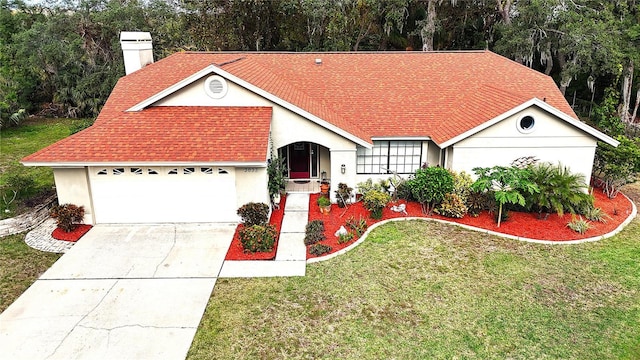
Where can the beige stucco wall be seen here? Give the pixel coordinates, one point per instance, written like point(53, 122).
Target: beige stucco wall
point(251, 185)
point(552, 140)
point(72, 187)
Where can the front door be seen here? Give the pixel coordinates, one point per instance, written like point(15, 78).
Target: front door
point(299, 161)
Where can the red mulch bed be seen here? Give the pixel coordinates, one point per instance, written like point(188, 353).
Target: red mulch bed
point(520, 224)
point(72, 236)
point(236, 251)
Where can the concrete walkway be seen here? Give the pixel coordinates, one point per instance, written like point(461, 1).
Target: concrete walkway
point(291, 257)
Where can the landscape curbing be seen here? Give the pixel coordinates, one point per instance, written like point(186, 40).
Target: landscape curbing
point(37, 239)
point(620, 227)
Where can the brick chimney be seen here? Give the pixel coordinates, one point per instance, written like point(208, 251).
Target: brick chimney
point(137, 50)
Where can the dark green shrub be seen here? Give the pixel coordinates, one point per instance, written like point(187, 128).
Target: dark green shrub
point(480, 201)
point(429, 185)
point(375, 201)
point(276, 171)
point(452, 206)
point(359, 226)
point(67, 216)
point(254, 214)
point(319, 249)
point(258, 238)
point(314, 232)
point(402, 190)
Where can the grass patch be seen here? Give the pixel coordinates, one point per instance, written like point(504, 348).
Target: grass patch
point(427, 290)
point(18, 142)
point(21, 266)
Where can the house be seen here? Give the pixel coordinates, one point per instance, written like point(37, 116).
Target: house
point(188, 138)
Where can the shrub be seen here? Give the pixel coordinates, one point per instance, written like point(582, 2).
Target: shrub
point(402, 190)
point(595, 214)
point(345, 238)
point(323, 201)
point(461, 184)
point(479, 201)
point(429, 185)
point(579, 225)
point(254, 214)
point(67, 216)
point(314, 232)
point(359, 226)
point(559, 189)
point(343, 194)
point(452, 206)
point(616, 166)
point(319, 249)
point(275, 170)
point(258, 238)
point(375, 201)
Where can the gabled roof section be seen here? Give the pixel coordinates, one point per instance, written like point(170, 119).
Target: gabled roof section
point(392, 94)
point(544, 106)
point(167, 135)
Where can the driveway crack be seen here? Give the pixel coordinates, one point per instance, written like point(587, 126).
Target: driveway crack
point(173, 245)
point(77, 324)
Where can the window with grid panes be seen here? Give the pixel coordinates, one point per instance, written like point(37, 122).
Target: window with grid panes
point(386, 157)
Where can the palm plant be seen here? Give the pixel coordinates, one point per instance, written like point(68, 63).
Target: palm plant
point(560, 190)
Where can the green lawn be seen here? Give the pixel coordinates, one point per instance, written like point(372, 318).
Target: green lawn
point(18, 142)
point(417, 290)
point(20, 266)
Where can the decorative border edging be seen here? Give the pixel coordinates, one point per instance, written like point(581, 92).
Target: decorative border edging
point(622, 225)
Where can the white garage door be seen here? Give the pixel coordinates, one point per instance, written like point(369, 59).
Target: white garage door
point(163, 194)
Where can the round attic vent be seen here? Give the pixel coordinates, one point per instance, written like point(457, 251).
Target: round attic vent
point(215, 86)
point(526, 124)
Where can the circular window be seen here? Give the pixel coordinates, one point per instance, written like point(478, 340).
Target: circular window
point(215, 86)
point(526, 124)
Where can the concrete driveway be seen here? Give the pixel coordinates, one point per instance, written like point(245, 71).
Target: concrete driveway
point(122, 292)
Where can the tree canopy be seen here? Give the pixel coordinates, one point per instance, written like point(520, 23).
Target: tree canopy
point(63, 58)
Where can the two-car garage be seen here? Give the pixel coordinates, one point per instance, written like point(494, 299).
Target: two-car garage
point(163, 194)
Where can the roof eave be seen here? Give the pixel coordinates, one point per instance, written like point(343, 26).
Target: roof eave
point(543, 105)
point(79, 164)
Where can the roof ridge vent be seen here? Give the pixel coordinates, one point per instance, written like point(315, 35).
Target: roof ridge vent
point(318, 61)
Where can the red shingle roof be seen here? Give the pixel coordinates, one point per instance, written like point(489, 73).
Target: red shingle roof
point(402, 94)
point(169, 134)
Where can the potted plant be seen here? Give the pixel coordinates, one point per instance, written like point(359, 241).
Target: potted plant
point(324, 187)
point(325, 204)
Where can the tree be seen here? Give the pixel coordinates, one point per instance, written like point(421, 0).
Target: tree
point(508, 184)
